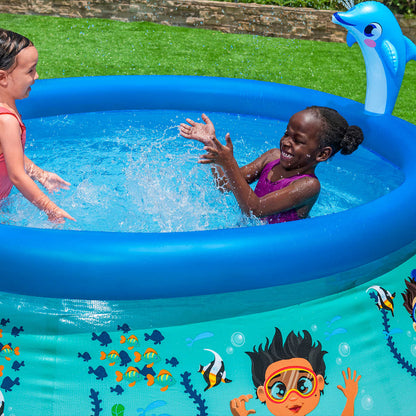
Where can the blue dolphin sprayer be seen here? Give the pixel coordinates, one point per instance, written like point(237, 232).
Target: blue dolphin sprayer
point(384, 47)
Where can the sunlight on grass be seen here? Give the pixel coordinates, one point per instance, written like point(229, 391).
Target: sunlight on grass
point(87, 47)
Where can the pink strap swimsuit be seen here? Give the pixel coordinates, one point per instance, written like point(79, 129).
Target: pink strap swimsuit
point(5, 183)
point(265, 186)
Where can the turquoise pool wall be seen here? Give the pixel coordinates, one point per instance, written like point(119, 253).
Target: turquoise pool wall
point(67, 360)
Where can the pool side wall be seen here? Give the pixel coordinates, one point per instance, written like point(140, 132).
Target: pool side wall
point(331, 245)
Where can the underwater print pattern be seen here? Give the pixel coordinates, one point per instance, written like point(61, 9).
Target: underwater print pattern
point(56, 364)
point(11, 356)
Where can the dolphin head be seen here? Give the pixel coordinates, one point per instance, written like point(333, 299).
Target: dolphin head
point(368, 23)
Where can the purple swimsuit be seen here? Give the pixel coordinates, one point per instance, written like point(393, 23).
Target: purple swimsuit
point(265, 186)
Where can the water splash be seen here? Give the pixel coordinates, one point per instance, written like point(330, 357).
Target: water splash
point(131, 171)
point(348, 4)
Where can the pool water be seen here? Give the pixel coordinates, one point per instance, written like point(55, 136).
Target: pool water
point(131, 171)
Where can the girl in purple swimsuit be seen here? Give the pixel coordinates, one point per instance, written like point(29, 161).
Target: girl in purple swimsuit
point(287, 187)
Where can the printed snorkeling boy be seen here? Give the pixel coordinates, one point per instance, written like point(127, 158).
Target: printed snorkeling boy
point(409, 297)
point(290, 378)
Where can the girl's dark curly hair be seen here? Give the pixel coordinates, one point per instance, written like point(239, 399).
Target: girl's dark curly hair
point(295, 346)
point(336, 133)
point(11, 44)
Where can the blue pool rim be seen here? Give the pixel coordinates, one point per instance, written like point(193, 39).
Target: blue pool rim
point(112, 265)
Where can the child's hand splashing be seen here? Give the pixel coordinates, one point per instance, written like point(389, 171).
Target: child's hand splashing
point(202, 132)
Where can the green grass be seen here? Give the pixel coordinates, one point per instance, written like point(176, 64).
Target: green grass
point(87, 47)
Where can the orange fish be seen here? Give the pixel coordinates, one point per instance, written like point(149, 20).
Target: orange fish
point(164, 379)
point(112, 356)
point(151, 356)
point(132, 374)
point(8, 350)
point(132, 340)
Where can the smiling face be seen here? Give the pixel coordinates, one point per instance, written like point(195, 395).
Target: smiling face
point(300, 145)
point(23, 74)
point(291, 388)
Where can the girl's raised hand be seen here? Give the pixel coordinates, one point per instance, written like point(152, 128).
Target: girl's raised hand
point(52, 182)
point(202, 132)
point(218, 153)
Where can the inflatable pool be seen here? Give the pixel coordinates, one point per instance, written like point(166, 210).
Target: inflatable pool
point(262, 319)
point(353, 241)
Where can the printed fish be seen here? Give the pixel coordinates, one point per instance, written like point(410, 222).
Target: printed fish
point(384, 298)
point(173, 361)
point(99, 372)
point(85, 356)
point(7, 350)
point(112, 357)
point(146, 370)
point(164, 379)
point(118, 389)
point(4, 322)
point(214, 372)
point(104, 338)
point(156, 337)
point(151, 356)
point(16, 331)
point(124, 358)
point(125, 328)
point(132, 374)
point(16, 365)
point(132, 340)
point(8, 383)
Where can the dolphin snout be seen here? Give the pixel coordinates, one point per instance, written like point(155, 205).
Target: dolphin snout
point(337, 19)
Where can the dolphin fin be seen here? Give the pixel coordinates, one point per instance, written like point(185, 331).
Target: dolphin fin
point(350, 39)
point(390, 56)
point(410, 49)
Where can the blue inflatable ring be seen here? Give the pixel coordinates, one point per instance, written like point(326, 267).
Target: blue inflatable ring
point(105, 265)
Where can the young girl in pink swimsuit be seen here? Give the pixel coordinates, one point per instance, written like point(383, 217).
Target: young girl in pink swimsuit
point(18, 60)
point(287, 187)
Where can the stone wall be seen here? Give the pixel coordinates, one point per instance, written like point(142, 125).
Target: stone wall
point(264, 20)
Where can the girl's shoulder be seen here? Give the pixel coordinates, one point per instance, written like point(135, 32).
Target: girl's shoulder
point(9, 116)
point(270, 156)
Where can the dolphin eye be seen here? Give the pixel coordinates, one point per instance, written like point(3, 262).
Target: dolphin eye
point(373, 31)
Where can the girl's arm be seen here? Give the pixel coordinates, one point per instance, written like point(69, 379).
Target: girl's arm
point(205, 133)
point(11, 147)
point(298, 193)
point(51, 181)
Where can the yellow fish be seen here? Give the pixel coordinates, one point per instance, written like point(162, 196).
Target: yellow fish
point(8, 350)
point(132, 340)
point(112, 356)
point(164, 379)
point(151, 356)
point(132, 374)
